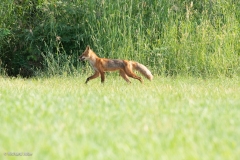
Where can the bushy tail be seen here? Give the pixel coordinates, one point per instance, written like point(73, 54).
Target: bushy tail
point(144, 71)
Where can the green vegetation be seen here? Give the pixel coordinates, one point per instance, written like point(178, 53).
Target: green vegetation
point(173, 37)
point(62, 118)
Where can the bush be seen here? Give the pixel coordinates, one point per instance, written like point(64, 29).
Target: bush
point(196, 38)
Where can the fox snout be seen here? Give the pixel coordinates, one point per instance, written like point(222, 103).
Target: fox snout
point(81, 58)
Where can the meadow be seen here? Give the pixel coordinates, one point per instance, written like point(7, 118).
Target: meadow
point(169, 118)
point(190, 111)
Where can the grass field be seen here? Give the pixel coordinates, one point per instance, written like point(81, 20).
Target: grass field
point(168, 118)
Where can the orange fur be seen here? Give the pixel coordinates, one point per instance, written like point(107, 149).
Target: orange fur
point(125, 67)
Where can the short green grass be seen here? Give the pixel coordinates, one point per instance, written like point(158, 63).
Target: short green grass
point(168, 118)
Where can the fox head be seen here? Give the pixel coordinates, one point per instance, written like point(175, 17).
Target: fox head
point(85, 55)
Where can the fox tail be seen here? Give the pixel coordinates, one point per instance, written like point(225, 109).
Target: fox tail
point(144, 71)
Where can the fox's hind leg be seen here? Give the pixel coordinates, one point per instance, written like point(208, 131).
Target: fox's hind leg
point(124, 76)
point(132, 75)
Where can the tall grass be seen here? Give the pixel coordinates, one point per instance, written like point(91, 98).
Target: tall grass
point(173, 37)
point(57, 62)
point(186, 37)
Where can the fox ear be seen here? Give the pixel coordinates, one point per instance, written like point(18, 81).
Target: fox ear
point(88, 47)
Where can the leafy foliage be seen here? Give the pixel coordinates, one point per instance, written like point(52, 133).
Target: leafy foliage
point(34, 25)
point(197, 38)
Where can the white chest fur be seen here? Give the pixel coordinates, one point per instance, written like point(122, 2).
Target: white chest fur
point(92, 63)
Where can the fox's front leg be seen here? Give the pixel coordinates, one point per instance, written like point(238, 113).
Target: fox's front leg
point(102, 76)
point(96, 74)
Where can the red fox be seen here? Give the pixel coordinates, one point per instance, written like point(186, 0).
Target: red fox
point(125, 67)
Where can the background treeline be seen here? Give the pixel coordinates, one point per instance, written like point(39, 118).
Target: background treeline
point(186, 37)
